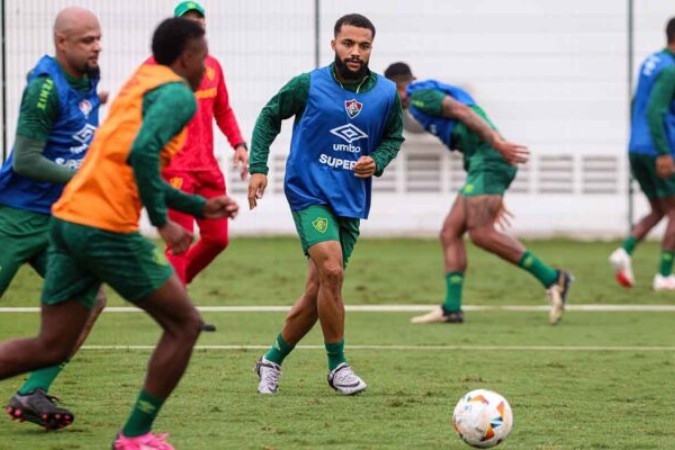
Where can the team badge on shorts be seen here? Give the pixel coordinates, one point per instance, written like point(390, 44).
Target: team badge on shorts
point(353, 107)
point(320, 224)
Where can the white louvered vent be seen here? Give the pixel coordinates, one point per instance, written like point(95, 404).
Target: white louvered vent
point(556, 174)
point(600, 174)
point(423, 172)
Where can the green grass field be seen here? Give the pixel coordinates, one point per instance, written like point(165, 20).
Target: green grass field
point(599, 380)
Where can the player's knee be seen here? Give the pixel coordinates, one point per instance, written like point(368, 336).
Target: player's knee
point(192, 326)
point(218, 240)
point(481, 237)
point(447, 236)
point(54, 351)
point(332, 274)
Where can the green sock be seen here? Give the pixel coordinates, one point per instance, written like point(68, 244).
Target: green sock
point(545, 274)
point(336, 353)
point(666, 262)
point(143, 415)
point(279, 351)
point(41, 379)
point(629, 244)
point(453, 291)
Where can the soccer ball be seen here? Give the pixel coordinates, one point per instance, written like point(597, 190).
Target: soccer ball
point(482, 418)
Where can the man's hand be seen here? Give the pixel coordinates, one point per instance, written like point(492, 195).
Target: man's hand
point(241, 160)
point(365, 167)
point(514, 154)
point(221, 206)
point(256, 189)
point(175, 236)
point(664, 166)
point(103, 97)
point(503, 218)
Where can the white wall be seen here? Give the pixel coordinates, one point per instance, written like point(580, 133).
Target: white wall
point(552, 75)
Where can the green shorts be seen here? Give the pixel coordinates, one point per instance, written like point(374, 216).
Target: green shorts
point(491, 180)
point(320, 224)
point(643, 168)
point(81, 258)
point(24, 237)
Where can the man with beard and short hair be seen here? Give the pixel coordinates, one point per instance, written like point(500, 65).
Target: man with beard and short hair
point(348, 127)
point(57, 120)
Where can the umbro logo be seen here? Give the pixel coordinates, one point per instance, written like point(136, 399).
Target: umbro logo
point(349, 133)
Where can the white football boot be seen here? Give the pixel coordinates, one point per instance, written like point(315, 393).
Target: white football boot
point(662, 283)
point(269, 374)
point(623, 267)
point(557, 296)
point(438, 315)
point(345, 381)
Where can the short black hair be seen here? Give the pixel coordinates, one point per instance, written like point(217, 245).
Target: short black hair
point(171, 38)
point(398, 71)
point(355, 20)
point(670, 30)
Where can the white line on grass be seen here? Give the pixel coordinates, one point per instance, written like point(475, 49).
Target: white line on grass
point(392, 308)
point(518, 348)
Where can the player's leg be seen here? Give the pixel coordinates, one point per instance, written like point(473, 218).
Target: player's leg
point(455, 264)
point(664, 279)
point(483, 205)
point(68, 297)
point(141, 275)
point(39, 381)
point(181, 324)
point(213, 233)
point(300, 320)
point(186, 183)
point(643, 168)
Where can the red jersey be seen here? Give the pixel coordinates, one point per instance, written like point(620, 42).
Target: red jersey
point(213, 103)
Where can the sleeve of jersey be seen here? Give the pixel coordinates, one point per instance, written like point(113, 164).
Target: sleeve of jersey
point(660, 98)
point(428, 101)
point(289, 101)
point(224, 114)
point(38, 112)
point(166, 110)
point(391, 139)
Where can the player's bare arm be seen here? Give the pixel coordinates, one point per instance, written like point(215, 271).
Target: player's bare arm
point(664, 166)
point(513, 153)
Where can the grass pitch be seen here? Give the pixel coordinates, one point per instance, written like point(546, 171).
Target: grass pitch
point(599, 380)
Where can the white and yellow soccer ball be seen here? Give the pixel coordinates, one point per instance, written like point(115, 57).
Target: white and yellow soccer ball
point(482, 418)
